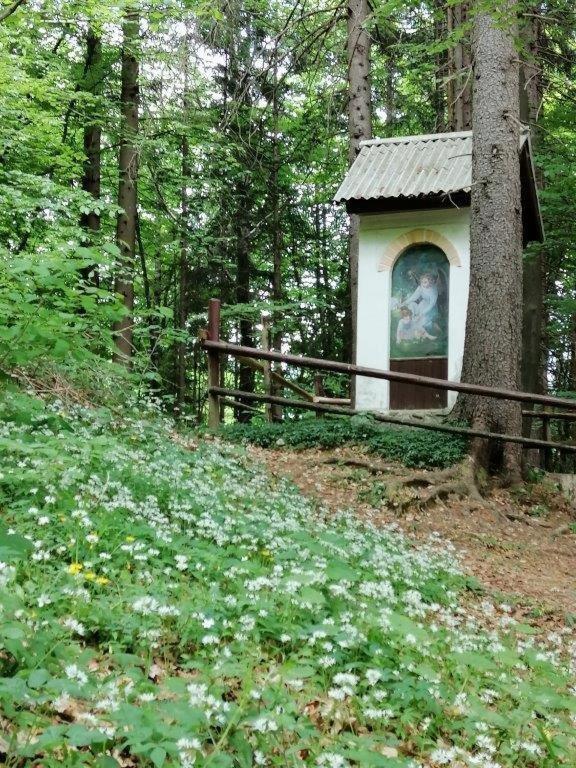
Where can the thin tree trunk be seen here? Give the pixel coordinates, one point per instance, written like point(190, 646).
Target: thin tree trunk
point(10, 9)
point(459, 90)
point(183, 266)
point(494, 321)
point(127, 191)
point(441, 68)
point(91, 174)
point(243, 276)
point(359, 129)
point(277, 239)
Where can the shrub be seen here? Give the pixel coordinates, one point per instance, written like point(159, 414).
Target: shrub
point(414, 447)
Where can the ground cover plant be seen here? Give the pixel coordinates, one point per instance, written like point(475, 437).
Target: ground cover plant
point(414, 447)
point(164, 602)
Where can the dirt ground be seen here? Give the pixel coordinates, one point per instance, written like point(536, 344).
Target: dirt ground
point(529, 562)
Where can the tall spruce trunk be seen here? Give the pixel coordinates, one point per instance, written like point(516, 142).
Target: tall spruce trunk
point(91, 172)
point(359, 129)
point(492, 348)
point(127, 190)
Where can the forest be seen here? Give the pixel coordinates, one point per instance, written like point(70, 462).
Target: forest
point(192, 574)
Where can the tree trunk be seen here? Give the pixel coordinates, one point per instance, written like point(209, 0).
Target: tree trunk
point(531, 95)
point(277, 239)
point(127, 192)
point(183, 266)
point(441, 72)
point(494, 321)
point(359, 129)
point(459, 89)
point(243, 275)
point(92, 149)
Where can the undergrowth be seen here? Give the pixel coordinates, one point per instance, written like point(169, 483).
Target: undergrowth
point(414, 447)
point(165, 603)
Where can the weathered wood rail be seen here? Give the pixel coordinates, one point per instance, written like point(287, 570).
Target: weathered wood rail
point(216, 348)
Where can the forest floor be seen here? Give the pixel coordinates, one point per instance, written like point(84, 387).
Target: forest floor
point(527, 561)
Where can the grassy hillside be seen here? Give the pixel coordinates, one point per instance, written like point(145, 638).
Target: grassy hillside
point(166, 603)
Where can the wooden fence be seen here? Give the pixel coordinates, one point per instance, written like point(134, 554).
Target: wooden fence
point(235, 398)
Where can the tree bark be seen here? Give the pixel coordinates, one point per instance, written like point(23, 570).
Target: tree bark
point(243, 275)
point(531, 96)
point(10, 9)
point(183, 265)
point(359, 129)
point(92, 148)
point(459, 87)
point(277, 236)
point(442, 60)
point(494, 321)
point(127, 190)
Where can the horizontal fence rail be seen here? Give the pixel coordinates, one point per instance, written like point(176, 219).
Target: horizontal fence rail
point(220, 395)
point(236, 350)
point(528, 442)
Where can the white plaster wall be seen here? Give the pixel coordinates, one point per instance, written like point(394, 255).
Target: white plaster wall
point(377, 231)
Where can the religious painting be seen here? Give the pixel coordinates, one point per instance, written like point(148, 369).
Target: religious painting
point(419, 303)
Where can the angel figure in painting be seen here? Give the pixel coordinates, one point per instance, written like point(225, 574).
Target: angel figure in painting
point(422, 306)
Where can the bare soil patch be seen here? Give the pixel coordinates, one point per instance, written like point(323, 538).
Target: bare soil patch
point(525, 554)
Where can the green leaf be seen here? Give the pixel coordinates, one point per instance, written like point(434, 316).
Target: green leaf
point(105, 761)
point(38, 678)
point(313, 596)
point(12, 546)
point(158, 756)
point(80, 736)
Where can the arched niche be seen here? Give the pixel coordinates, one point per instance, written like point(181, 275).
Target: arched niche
point(418, 237)
point(419, 323)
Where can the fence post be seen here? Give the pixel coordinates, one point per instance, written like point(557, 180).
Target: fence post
point(266, 365)
point(213, 363)
point(319, 391)
point(546, 453)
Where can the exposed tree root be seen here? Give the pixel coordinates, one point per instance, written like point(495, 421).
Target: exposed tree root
point(459, 481)
point(426, 487)
point(454, 481)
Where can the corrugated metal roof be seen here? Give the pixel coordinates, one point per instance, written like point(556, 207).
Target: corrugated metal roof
point(433, 164)
point(409, 166)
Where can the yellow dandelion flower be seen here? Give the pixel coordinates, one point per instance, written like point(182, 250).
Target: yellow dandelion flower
point(90, 575)
point(130, 538)
point(102, 580)
point(75, 568)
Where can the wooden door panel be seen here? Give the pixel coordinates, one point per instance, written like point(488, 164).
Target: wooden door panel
point(409, 396)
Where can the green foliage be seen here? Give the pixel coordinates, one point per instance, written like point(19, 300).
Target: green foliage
point(46, 311)
point(414, 447)
point(166, 601)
